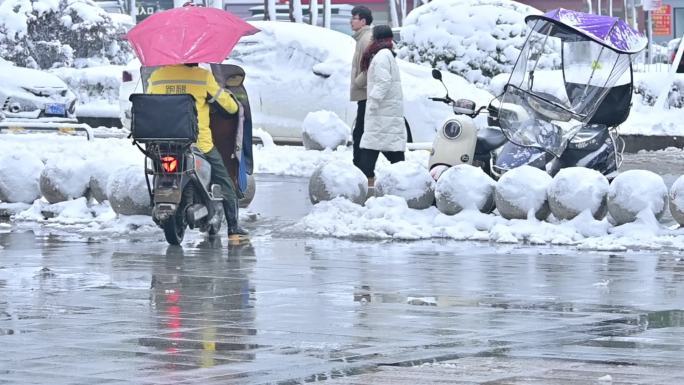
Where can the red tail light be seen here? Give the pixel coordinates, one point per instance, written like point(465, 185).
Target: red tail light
point(169, 163)
point(126, 77)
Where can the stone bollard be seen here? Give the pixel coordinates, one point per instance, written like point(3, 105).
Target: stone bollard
point(636, 190)
point(576, 189)
point(338, 179)
point(20, 177)
point(64, 179)
point(408, 180)
point(324, 129)
point(127, 191)
point(464, 187)
point(521, 192)
point(677, 200)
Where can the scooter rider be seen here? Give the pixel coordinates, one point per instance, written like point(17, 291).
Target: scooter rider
point(200, 83)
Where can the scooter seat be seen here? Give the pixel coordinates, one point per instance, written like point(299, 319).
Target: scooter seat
point(489, 139)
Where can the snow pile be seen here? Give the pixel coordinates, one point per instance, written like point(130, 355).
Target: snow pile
point(677, 200)
point(636, 191)
point(19, 176)
point(521, 193)
point(338, 179)
point(49, 33)
point(408, 180)
point(464, 187)
point(475, 39)
point(576, 189)
point(324, 129)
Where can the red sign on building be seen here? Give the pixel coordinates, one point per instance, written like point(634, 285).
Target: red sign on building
point(662, 21)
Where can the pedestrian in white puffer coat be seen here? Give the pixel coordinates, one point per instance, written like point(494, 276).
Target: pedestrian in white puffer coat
point(385, 129)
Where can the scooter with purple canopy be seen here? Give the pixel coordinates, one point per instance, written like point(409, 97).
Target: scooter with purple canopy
point(555, 118)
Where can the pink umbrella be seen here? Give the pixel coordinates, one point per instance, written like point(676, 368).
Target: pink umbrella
point(187, 35)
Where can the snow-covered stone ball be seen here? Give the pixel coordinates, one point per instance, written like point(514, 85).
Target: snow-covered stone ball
point(408, 180)
point(99, 175)
point(338, 179)
point(464, 187)
point(127, 191)
point(324, 129)
point(249, 193)
point(677, 200)
point(521, 192)
point(64, 178)
point(634, 191)
point(576, 189)
point(20, 176)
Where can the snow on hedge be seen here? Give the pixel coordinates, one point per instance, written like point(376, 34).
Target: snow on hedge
point(60, 33)
point(476, 39)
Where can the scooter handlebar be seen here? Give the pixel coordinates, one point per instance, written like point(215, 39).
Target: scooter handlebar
point(446, 100)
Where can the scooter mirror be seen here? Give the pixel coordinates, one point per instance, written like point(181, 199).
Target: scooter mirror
point(437, 74)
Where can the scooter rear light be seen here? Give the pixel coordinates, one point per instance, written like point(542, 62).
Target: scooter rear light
point(169, 163)
point(126, 77)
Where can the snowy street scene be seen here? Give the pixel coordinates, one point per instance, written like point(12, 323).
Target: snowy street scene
point(341, 192)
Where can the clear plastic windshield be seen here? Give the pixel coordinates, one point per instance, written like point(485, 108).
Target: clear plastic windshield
point(544, 107)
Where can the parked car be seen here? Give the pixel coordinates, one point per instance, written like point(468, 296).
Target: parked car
point(294, 68)
point(30, 93)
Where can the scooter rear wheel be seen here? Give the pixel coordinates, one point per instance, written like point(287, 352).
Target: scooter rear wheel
point(174, 228)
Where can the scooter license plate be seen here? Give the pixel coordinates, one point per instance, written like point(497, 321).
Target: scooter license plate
point(55, 109)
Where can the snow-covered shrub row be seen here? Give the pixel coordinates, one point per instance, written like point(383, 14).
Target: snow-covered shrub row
point(649, 85)
point(45, 34)
point(476, 39)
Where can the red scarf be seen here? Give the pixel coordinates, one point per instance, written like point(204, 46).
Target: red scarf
point(374, 48)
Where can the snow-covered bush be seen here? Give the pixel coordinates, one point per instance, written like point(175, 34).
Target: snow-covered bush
point(19, 176)
point(464, 187)
point(521, 192)
point(408, 180)
point(635, 191)
point(476, 39)
point(576, 189)
point(648, 88)
point(338, 179)
point(57, 33)
point(324, 129)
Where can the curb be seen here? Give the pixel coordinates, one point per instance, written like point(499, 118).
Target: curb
point(636, 143)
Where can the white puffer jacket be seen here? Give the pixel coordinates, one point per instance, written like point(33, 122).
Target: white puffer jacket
point(384, 128)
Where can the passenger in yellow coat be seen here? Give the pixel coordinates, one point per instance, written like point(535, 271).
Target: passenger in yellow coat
point(200, 83)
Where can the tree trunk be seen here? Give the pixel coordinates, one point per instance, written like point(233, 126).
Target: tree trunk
point(313, 12)
point(326, 13)
point(296, 11)
point(394, 18)
point(270, 10)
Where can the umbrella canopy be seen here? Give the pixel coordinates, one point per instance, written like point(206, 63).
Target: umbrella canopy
point(610, 32)
point(187, 35)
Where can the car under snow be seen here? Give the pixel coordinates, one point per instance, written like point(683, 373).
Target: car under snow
point(293, 69)
point(32, 94)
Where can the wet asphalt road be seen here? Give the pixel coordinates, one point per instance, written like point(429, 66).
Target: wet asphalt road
point(289, 309)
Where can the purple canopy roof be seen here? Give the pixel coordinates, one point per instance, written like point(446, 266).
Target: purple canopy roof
point(611, 32)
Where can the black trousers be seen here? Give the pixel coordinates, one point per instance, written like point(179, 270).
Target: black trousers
point(358, 132)
point(370, 157)
point(220, 176)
